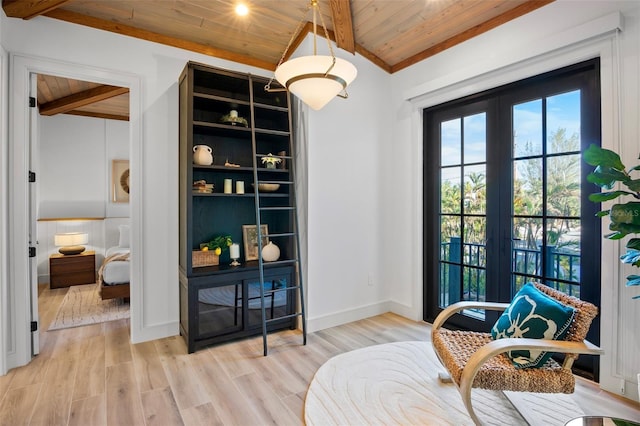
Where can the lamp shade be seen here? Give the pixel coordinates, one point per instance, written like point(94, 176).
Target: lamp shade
point(71, 239)
point(71, 242)
point(305, 77)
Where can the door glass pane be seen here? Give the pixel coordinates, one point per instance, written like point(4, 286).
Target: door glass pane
point(563, 185)
point(475, 138)
point(219, 309)
point(527, 129)
point(563, 122)
point(450, 190)
point(475, 189)
point(450, 143)
point(527, 187)
point(563, 245)
point(275, 299)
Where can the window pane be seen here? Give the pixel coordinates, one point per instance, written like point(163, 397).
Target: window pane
point(474, 284)
point(475, 189)
point(563, 122)
point(450, 197)
point(563, 185)
point(475, 138)
point(563, 249)
point(527, 187)
point(527, 129)
point(450, 235)
point(527, 233)
point(475, 231)
point(450, 143)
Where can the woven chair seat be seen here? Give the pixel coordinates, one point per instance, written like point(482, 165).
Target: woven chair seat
point(498, 373)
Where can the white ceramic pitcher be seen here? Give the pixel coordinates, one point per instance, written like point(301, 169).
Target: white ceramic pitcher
point(202, 155)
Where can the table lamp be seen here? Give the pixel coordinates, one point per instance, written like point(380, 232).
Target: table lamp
point(71, 242)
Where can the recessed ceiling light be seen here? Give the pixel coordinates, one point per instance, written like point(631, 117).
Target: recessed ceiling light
point(242, 9)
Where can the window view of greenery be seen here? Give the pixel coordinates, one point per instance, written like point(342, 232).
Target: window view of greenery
point(545, 218)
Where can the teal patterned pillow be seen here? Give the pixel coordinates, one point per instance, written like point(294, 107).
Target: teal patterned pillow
point(535, 315)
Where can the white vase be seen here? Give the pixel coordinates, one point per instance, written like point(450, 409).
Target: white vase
point(270, 252)
point(202, 155)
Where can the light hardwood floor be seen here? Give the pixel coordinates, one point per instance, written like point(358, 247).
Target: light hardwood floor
point(92, 375)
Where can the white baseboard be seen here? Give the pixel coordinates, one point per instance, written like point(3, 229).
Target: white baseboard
point(410, 312)
point(342, 317)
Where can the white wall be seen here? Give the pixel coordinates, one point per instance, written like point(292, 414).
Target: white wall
point(558, 34)
point(346, 172)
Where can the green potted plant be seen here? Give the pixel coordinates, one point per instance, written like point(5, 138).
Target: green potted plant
point(625, 217)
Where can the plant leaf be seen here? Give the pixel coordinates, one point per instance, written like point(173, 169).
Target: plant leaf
point(634, 243)
point(606, 177)
point(633, 184)
point(599, 197)
point(596, 156)
point(602, 213)
point(628, 213)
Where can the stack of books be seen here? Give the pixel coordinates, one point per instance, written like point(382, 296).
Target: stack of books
point(202, 187)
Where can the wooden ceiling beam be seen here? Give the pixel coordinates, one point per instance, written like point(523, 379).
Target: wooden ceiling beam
point(343, 25)
point(99, 115)
point(114, 27)
point(514, 13)
point(77, 100)
point(30, 9)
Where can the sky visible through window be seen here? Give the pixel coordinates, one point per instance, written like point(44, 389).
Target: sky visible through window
point(563, 112)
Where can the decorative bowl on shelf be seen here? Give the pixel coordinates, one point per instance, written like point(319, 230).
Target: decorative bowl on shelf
point(268, 187)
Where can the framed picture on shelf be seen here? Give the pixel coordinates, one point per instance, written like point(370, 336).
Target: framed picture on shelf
point(120, 181)
point(250, 239)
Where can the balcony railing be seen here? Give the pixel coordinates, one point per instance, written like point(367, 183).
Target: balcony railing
point(562, 270)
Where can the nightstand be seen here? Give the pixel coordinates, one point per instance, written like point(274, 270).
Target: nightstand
point(72, 269)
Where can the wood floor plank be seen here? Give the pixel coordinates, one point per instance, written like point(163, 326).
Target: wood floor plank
point(160, 408)
point(54, 401)
point(149, 370)
point(202, 415)
point(118, 348)
point(228, 402)
point(124, 406)
point(187, 388)
point(90, 380)
point(268, 405)
point(16, 408)
point(89, 411)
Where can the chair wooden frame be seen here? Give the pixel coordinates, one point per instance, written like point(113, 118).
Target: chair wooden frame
point(494, 348)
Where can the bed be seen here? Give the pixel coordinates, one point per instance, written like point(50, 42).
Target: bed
point(114, 274)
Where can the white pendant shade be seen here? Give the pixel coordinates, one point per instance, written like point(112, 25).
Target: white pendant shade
point(305, 78)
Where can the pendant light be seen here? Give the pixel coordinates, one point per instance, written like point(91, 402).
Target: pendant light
point(315, 79)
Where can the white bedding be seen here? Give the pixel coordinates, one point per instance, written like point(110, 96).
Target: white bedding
point(117, 271)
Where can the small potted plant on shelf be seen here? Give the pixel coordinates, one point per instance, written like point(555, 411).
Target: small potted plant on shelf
point(209, 253)
point(625, 217)
point(270, 161)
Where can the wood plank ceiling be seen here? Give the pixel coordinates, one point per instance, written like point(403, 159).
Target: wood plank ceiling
point(393, 34)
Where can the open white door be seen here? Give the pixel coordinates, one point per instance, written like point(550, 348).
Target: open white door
point(33, 233)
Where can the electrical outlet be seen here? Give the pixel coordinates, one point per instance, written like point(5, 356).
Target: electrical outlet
point(622, 384)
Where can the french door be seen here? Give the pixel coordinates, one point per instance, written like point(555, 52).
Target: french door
point(505, 194)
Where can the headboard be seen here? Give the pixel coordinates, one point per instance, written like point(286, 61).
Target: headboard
point(111, 231)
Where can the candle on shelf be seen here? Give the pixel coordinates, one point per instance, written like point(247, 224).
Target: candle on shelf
point(240, 187)
point(234, 251)
point(227, 186)
point(233, 113)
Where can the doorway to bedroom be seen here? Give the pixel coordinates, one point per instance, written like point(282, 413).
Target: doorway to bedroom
point(80, 157)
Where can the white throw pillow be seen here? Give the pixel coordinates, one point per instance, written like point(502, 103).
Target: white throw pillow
point(124, 236)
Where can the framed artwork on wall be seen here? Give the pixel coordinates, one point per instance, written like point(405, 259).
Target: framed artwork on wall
point(250, 239)
point(120, 181)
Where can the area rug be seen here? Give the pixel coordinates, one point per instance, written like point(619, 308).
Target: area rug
point(397, 384)
point(82, 305)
